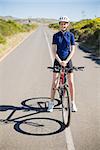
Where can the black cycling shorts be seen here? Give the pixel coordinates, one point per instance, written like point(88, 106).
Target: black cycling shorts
point(68, 65)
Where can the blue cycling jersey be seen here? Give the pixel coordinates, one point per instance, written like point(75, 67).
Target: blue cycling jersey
point(63, 42)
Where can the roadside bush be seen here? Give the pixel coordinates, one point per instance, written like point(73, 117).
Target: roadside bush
point(54, 26)
point(2, 39)
point(10, 27)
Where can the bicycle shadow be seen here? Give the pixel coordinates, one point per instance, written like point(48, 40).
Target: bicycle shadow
point(40, 125)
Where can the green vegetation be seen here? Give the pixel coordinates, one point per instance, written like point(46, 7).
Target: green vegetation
point(2, 39)
point(87, 33)
point(54, 25)
point(10, 27)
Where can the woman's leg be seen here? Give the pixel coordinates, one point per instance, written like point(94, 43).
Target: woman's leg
point(54, 85)
point(71, 85)
point(72, 91)
point(53, 90)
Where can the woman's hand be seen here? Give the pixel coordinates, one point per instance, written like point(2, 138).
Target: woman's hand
point(63, 63)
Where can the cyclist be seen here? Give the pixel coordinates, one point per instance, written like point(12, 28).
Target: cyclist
point(63, 46)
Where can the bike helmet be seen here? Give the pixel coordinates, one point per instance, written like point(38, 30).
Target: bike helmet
point(64, 18)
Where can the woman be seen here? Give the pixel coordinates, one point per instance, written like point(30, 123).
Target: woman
point(63, 46)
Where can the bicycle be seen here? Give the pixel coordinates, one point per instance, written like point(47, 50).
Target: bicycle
point(64, 93)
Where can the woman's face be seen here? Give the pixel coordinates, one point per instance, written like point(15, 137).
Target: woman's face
point(63, 25)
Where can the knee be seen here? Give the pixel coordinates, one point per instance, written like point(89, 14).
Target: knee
point(70, 82)
point(54, 85)
point(70, 79)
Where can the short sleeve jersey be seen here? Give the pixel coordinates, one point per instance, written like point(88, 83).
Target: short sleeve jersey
point(63, 42)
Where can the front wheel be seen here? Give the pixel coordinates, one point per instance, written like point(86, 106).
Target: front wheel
point(66, 109)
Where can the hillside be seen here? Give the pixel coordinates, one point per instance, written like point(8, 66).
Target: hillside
point(87, 33)
point(11, 27)
point(28, 20)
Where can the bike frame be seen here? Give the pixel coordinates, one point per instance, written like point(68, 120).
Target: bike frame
point(62, 82)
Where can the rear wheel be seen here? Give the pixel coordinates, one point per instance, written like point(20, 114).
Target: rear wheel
point(66, 110)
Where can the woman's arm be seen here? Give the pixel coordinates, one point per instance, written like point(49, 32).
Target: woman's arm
point(71, 54)
point(54, 51)
point(63, 63)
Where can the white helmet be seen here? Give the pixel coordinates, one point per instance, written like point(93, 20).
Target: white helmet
point(64, 18)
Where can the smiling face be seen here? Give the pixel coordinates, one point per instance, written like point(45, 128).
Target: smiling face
point(63, 26)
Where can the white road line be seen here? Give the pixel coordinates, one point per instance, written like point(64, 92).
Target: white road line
point(69, 139)
point(50, 51)
point(68, 134)
point(2, 58)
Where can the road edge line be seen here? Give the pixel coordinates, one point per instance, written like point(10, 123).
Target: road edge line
point(50, 51)
point(69, 139)
point(11, 50)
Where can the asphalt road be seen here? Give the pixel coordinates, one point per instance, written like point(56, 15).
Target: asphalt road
point(25, 81)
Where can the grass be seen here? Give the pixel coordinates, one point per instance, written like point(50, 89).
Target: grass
point(11, 33)
point(9, 28)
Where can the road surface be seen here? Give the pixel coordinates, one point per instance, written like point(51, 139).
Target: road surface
point(25, 80)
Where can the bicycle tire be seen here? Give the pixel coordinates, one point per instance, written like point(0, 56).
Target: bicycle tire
point(66, 108)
